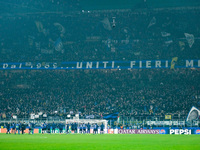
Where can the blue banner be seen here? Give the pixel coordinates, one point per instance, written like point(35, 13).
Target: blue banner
point(133, 64)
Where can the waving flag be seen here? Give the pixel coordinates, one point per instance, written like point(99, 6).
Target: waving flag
point(152, 22)
point(106, 24)
point(39, 26)
point(173, 62)
point(190, 39)
point(193, 114)
point(182, 45)
point(59, 45)
point(60, 28)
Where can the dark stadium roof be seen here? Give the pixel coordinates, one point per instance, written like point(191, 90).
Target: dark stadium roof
point(135, 4)
point(28, 6)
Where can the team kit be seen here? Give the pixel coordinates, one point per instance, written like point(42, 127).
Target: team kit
point(61, 128)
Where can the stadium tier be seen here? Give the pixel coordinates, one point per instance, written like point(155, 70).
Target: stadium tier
point(60, 59)
point(100, 35)
point(144, 92)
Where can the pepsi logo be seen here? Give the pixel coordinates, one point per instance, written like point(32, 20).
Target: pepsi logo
point(198, 131)
point(162, 131)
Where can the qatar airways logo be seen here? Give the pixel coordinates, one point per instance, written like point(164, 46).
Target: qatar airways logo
point(138, 131)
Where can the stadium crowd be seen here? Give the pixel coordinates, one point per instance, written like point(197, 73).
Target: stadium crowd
point(99, 92)
point(96, 36)
point(100, 35)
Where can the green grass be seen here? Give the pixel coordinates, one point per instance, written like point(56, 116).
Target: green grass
point(99, 142)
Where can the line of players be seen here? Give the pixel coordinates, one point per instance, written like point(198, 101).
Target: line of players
point(19, 127)
point(46, 128)
point(72, 128)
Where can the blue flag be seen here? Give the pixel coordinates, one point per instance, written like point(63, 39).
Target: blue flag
point(59, 45)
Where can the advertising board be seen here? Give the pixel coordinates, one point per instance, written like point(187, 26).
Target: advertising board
point(180, 131)
point(196, 131)
point(138, 131)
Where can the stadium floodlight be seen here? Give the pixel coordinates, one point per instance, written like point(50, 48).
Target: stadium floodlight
point(193, 114)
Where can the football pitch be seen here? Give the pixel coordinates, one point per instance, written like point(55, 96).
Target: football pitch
point(99, 142)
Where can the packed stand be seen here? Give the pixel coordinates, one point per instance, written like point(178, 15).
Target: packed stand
point(100, 35)
point(155, 92)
